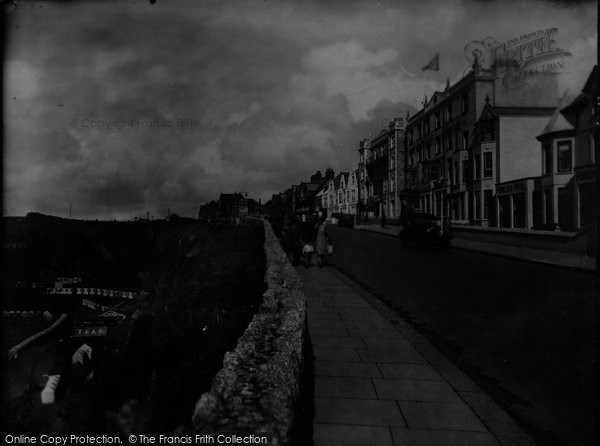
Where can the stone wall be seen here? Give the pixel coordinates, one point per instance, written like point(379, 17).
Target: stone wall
point(258, 388)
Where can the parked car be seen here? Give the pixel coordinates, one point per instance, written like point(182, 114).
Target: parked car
point(340, 219)
point(425, 230)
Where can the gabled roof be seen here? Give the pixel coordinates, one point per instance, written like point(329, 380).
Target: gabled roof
point(558, 122)
point(338, 178)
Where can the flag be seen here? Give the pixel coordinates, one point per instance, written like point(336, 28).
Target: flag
point(434, 64)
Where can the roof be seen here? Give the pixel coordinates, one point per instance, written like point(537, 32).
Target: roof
point(558, 122)
point(336, 180)
point(226, 197)
point(580, 101)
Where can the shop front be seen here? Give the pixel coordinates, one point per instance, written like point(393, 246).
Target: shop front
point(514, 204)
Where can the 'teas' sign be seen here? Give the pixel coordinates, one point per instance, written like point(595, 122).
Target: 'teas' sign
point(88, 330)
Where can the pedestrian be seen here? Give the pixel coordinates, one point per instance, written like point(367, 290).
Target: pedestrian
point(321, 242)
point(307, 252)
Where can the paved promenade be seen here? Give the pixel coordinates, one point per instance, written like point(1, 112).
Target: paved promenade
point(379, 382)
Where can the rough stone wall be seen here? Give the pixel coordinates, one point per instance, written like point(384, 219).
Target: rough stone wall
point(258, 386)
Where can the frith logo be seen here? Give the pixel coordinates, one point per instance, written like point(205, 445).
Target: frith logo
point(527, 58)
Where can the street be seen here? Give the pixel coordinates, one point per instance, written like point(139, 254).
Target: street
point(523, 331)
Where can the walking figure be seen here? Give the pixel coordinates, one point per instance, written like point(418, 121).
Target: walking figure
point(321, 242)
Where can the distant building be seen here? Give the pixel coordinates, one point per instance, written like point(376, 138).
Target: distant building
point(381, 172)
point(230, 206)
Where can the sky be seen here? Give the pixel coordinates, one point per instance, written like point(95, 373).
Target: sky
point(123, 108)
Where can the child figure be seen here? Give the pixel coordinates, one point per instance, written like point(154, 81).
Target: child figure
point(307, 252)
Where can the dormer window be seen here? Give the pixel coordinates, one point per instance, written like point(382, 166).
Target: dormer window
point(488, 130)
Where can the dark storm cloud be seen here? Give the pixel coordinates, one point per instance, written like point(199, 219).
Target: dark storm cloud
point(271, 91)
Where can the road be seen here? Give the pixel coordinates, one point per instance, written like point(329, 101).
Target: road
point(522, 331)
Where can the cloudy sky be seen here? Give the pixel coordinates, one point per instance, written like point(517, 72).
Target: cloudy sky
point(253, 95)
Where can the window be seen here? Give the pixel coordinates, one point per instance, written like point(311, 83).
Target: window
point(592, 149)
point(449, 143)
point(465, 171)
point(547, 159)
point(465, 103)
point(450, 172)
point(435, 172)
point(477, 166)
point(488, 171)
point(465, 140)
point(564, 156)
point(488, 130)
point(437, 145)
point(437, 120)
point(448, 112)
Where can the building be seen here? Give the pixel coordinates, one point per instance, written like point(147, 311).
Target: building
point(339, 195)
point(504, 160)
point(566, 194)
point(229, 206)
point(381, 172)
point(442, 145)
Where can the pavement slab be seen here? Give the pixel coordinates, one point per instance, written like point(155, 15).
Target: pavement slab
point(337, 342)
point(409, 371)
point(378, 381)
point(414, 390)
point(360, 412)
point(341, 368)
point(422, 437)
point(344, 387)
point(445, 416)
point(349, 435)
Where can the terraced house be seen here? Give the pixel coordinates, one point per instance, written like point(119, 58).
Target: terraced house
point(381, 172)
point(340, 194)
point(449, 171)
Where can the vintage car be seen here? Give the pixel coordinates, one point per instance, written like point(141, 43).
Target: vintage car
point(340, 219)
point(424, 230)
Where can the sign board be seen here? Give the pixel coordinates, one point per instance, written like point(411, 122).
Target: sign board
point(511, 188)
point(91, 331)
